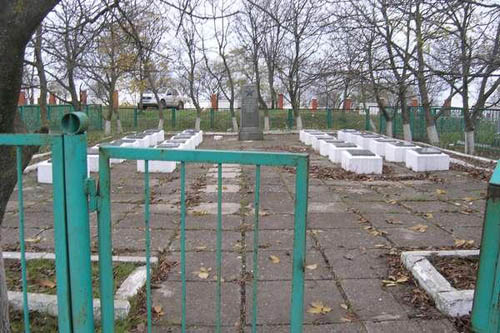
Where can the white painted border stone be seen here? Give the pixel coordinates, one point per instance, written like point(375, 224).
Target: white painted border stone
point(449, 300)
point(46, 303)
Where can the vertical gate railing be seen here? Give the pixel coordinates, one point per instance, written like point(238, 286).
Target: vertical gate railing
point(71, 226)
point(486, 307)
point(299, 161)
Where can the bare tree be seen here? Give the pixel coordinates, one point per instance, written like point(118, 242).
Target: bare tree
point(224, 74)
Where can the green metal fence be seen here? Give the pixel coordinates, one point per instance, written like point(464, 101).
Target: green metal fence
point(68, 227)
point(185, 157)
point(32, 117)
point(486, 307)
point(450, 126)
point(75, 195)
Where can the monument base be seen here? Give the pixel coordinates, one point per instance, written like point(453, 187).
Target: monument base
point(250, 133)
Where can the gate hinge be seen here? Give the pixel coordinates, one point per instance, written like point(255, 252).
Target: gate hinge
point(91, 190)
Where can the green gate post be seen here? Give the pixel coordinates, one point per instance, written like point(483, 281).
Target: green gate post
point(290, 119)
point(75, 175)
point(212, 118)
point(329, 118)
point(135, 119)
point(173, 118)
point(486, 307)
point(367, 120)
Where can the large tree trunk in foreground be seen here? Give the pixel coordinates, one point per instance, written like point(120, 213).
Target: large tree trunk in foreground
point(18, 21)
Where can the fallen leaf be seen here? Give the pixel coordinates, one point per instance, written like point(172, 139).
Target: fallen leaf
point(33, 240)
point(312, 266)
point(200, 213)
point(469, 199)
point(389, 283)
point(463, 242)
point(428, 216)
point(318, 307)
point(439, 191)
point(47, 284)
point(158, 310)
point(274, 259)
point(419, 228)
point(344, 306)
point(391, 221)
point(200, 248)
point(203, 273)
point(402, 279)
point(379, 246)
point(392, 202)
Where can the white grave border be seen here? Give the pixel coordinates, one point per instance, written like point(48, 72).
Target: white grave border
point(450, 301)
point(46, 303)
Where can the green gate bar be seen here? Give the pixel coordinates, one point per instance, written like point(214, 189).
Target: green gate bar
point(299, 161)
point(19, 167)
point(147, 196)
point(486, 307)
point(62, 270)
point(255, 248)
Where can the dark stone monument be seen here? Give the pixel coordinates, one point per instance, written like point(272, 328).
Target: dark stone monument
point(250, 120)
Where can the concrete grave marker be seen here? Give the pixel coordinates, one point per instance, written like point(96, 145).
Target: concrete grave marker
point(361, 161)
point(250, 119)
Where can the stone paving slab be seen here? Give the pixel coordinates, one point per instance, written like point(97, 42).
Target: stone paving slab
point(274, 302)
point(281, 269)
point(372, 302)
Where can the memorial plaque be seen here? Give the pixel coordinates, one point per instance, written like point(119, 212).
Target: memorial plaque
point(149, 131)
point(404, 144)
point(370, 136)
point(168, 145)
point(178, 140)
point(182, 136)
point(345, 145)
point(136, 136)
point(427, 151)
point(386, 140)
point(333, 140)
point(360, 152)
point(249, 115)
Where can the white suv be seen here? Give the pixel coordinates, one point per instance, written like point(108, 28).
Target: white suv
point(171, 99)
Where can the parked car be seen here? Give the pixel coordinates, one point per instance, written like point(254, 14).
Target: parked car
point(170, 99)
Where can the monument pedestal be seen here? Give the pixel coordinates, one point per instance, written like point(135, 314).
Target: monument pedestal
point(250, 118)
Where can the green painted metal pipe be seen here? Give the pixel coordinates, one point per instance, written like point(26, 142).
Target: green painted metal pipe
point(105, 247)
point(205, 156)
point(75, 160)
point(60, 237)
point(299, 246)
point(486, 310)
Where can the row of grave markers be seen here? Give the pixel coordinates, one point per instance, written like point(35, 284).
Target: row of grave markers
point(151, 138)
point(363, 152)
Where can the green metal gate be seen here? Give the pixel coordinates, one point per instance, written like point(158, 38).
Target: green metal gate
point(75, 195)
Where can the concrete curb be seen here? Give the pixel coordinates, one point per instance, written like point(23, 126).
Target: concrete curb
point(45, 303)
point(450, 301)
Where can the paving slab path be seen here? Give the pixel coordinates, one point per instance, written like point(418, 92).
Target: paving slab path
point(353, 225)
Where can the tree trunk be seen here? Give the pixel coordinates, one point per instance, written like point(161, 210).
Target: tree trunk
point(432, 134)
point(107, 127)
point(41, 77)
point(161, 122)
point(388, 128)
point(197, 124)
point(469, 142)
point(235, 124)
point(298, 120)
point(407, 132)
point(18, 22)
point(266, 123)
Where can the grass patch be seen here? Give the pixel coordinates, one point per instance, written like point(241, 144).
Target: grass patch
point(41, 275)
